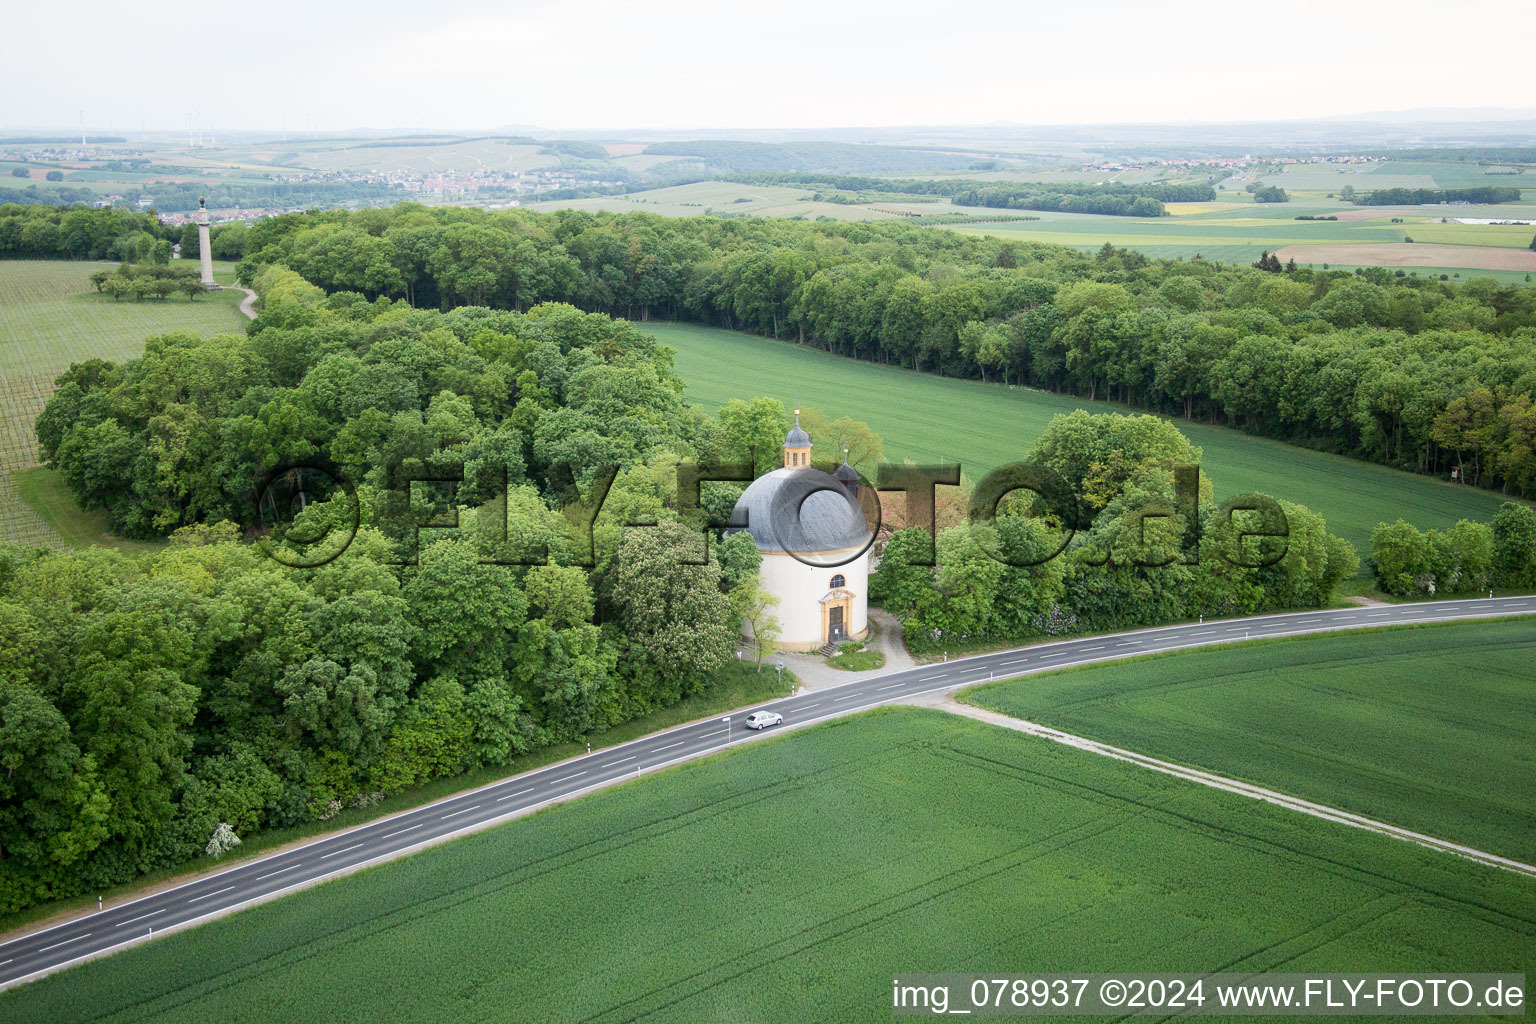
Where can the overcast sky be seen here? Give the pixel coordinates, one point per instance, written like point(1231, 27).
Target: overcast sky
point(599, 64)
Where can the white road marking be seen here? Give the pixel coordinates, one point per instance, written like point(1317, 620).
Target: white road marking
point(891, 687)
point(851, 696)
point(466, 810)
point(1098, 648)
point(269, 874)
point(1128, 643)
point(621, 760)
point(66, 942)
point(333, 853)
point(809, 706)
point(139, 918)
point(669, 746)
point(564, 778)
point(1021, 661)
point(1207, 632)
point(509, 796)
point(204, 896)
point(401, 832)
point(925, 679)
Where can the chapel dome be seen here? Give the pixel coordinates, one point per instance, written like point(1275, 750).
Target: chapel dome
point(829, 519)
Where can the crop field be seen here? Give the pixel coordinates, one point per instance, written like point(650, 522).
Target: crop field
point(50, 316)
point(1239, 232)
point(1234, 229)
point(791, 879)
point(1432, 729)
point(929, 418)
point(1394, 174)
point(724, 197)
point(1467, 258)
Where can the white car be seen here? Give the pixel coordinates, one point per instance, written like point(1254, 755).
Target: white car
point(763, 719)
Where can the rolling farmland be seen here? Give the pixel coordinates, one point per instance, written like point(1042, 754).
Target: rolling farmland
point(785, 880)
point(50, 317)
point(1234, 229)
point(929, 418)
point(1431, 729)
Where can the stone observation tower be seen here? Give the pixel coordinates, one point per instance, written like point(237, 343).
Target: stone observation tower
point(204, 249)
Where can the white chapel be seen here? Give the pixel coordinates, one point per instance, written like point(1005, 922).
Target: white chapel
point(823, 587)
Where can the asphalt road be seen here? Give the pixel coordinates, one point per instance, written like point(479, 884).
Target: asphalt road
point(41, 952)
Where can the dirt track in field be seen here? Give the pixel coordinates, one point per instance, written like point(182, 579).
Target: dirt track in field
point(1412, 254)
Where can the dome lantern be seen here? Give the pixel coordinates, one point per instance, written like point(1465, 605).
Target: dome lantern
point(797, 446)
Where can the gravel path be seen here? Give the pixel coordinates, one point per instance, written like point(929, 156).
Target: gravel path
point(815, 674)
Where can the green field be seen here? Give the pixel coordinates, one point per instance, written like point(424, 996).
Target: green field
point(1432, 729)
point(50, 316)
point(1394, 174)
point(789, 880)
point(1238, 232)
point(724, 197)
point(928, 418)
point(1234, 229)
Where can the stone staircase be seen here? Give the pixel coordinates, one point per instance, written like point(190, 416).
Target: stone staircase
point(827, 649)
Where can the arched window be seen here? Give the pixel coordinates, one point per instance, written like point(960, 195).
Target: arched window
point(838, 581)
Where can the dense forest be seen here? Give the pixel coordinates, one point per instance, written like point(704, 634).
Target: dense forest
point(1412, 372)
point(1420, 196)
point(145, 701)
point(40, 232)
point(1146, 551)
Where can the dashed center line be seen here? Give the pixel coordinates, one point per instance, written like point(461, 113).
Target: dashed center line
point(1098, 648)
point(139, 918)
point(66, 942)
point(809, 706)
point(455, 814)
point(269, 874)
point(205, 895)
point(509, 796)
point(851, 696)
point(621, 760)
point(669, 746)
point(400, 832)
point(926, 679)
point(891, 687)
point(334, 853)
